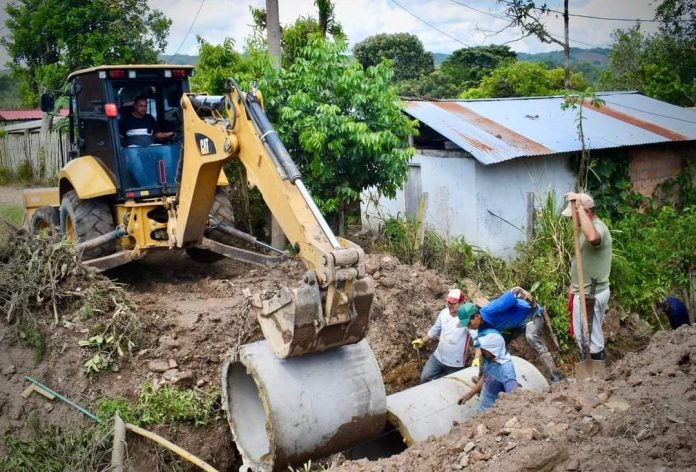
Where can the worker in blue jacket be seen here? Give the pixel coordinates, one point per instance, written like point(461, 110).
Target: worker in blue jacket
point(513, 313)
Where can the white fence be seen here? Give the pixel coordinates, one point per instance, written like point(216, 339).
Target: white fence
point(22, 149)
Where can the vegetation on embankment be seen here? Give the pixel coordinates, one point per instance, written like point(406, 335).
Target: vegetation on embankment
point(653, 251)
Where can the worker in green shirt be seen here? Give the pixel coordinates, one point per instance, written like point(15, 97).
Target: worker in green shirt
point(595, 251)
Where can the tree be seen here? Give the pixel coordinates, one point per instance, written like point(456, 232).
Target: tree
point(48, 38)
point(432, 86)
point(662, 65)
point(343, 125)
point(525, 15)
point(405, 50)
point(678, 19)
point(218, 62)
point(296, 36)
point(468, 66)
point(524, 79)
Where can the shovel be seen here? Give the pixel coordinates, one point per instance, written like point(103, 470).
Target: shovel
point(587, 368)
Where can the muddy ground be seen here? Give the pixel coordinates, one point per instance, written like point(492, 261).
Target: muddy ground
point(640, 418)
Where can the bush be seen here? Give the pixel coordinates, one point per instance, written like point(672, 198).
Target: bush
point(25, 172)
point(6, 176)
point(653, 253)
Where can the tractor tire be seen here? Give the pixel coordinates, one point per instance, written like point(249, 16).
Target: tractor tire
point(45, 223)
point(222, 212)
point(82, 220)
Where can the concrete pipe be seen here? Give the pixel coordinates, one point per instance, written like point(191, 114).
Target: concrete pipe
point(286, 411)
point(430, 410)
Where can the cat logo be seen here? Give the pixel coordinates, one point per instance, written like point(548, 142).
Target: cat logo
point(205, 144)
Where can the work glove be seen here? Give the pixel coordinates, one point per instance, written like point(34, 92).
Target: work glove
point(476, 362)
point(417, 343)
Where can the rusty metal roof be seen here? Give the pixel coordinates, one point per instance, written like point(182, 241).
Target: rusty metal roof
point(25, 114)
point(499, 129)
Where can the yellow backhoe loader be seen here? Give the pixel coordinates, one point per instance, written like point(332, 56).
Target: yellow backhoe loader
point(118, 201)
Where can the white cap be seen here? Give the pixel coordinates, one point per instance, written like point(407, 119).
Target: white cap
point(455, 296)
point(583, 199)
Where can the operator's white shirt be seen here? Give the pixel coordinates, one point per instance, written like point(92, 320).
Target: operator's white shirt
point(453, 339)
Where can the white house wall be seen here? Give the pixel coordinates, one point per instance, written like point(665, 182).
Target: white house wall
point(449, 181)
point(462, 194)
point(502, 195)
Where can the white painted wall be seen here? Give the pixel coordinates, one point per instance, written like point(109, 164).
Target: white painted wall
point(502, 190)
point(462, 193)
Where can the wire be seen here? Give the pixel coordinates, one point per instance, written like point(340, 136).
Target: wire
point(507, 19)
point(189, 30)
point(639, 20)
point(480, 11)
point(433, 27)
point(648, 112)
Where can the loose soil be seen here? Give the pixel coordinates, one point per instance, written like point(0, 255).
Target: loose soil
point(640, 418)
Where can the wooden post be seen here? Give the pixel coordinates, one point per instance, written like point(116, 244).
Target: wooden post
point(530, 216)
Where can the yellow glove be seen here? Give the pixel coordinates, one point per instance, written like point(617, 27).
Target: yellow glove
point(417, 343)
point(476, 362)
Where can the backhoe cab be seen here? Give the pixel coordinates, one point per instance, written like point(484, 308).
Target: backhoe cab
point(117, 200)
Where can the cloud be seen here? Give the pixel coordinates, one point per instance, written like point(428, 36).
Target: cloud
point(459, 24)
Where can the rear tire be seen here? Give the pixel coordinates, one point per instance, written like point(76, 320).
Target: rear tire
point(45, 223)
point(82, 220)
point(222, 212)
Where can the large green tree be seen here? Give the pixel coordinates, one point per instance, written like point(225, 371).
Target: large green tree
point(343, 125)
point(468, 66)
point(48, 38)
point(405, 50)
point(524, 79)
point(662, 65)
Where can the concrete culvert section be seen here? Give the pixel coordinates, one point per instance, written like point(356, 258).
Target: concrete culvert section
point(285, 412)
point(430, 410)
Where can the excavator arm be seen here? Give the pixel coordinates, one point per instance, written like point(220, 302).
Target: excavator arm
point(331, 307)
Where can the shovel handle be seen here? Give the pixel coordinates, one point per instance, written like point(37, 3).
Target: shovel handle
point(581, 281)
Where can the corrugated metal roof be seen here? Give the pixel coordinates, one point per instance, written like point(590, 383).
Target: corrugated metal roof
point(496, 130)
point(26, 114)
point(16, 115)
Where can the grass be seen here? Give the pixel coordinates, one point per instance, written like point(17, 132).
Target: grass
point(51, 448)
point(12, 212)
point(164, 405)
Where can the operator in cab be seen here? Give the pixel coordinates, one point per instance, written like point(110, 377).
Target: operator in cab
point(138, 127)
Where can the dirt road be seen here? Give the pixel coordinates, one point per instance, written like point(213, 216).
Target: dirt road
point(11, 195)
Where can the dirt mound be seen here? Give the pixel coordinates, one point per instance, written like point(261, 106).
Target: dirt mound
point(192, 314)
point(640, 417)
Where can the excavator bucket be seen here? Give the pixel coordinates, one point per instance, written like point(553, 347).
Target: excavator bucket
point(293, 322)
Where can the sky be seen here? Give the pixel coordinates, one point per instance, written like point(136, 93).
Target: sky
point(442, 25)
point(458, 22)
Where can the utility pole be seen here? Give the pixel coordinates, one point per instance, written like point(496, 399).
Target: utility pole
point(273, 30)
point(278, 239)
point(566, 47)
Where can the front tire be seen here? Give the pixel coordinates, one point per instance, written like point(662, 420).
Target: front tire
point(45, 223)
point(222, 212)
point(82, 220)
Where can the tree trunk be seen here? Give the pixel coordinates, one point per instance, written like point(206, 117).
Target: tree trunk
point(566, 48)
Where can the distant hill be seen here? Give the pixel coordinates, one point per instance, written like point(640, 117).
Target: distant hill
point(439, 58)
point(596, 56)
point(590, 62)
point(183, 59)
